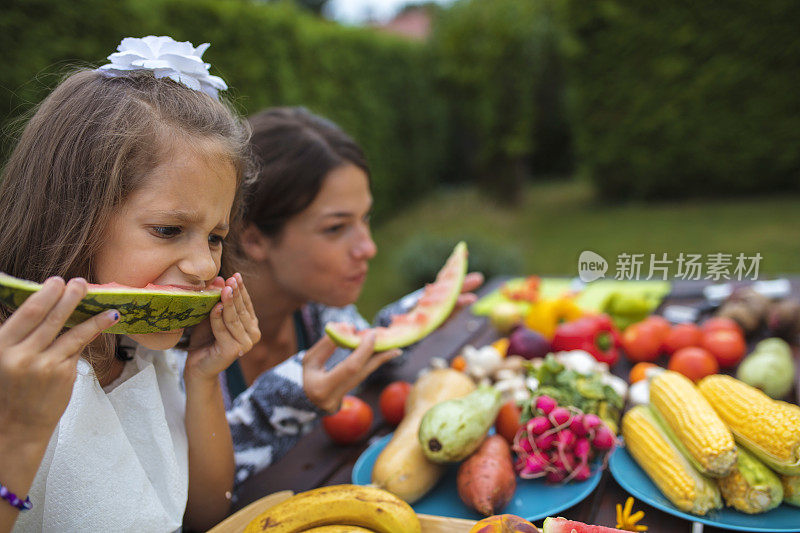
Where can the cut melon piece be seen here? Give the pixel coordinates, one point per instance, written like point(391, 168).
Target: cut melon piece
point(562, 525)
point(148, 310)
point(433, 308)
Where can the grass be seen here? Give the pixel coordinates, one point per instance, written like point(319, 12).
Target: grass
point(555, 221)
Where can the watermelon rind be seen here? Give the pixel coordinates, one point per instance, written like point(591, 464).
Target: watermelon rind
point(141, 310)
point(562, 525)
point(405, 335)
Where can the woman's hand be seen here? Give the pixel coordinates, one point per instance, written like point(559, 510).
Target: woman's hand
point(230, 332)
point(472, 281)
point(37, 366)
point(326, 388)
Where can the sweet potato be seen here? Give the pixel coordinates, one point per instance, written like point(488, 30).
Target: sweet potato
point(486, 480)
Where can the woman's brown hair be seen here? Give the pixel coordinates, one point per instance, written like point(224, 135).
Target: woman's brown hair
point(295, 150)
point(84, 151)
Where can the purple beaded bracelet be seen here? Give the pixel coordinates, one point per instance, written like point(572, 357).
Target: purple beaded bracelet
point(13, 499)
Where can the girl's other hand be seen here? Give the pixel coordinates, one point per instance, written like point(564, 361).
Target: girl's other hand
point(37, 365)
point(327, 388)
point(230, 331)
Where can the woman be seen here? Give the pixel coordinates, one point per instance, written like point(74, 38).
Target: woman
point(308, 240)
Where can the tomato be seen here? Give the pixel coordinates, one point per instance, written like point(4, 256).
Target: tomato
point(507, 422)
point(721, 323)
point(393, 401)
point(682, 336)
point(639, 372)
point(350, 423)
point(694, 363)
point(727, 345)
point(661, 326)
point(642, 342)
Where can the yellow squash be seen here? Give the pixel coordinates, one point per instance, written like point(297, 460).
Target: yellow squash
point(402, 468)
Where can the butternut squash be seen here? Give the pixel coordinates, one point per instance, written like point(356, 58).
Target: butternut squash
point(402, 468)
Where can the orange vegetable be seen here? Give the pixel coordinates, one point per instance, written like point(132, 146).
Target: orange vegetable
point(458, 363)
point(486, 480)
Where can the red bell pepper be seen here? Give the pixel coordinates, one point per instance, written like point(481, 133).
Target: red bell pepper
point(595, 334)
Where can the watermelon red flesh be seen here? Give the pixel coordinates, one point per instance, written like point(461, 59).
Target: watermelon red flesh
point(562, 525)
point(433, 308)
point(142, 310)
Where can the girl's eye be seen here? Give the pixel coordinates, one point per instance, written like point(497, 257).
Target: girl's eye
point(166, 231)
point(216, 240)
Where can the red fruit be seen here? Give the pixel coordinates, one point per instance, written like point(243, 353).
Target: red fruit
point(727, 345)
point(721, 323)
point(503, 523)
point(392, 401)
point(507, 422)
point(682, 336)
point(660, 324)
point(351, 423)
point(642, 341)
point(694, 363)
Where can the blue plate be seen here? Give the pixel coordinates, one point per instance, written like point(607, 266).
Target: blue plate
point(533, 500)
point(633, 479)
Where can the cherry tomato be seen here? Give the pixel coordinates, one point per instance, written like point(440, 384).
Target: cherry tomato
point(694, 363)
point(642, 342)
point(351, 423)
point(507, 422)
point(639, 372)
point(393, 401)
point(727, 345)
point(682, 336)
point(721, 323)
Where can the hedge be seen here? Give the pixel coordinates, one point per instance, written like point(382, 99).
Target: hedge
point(676, 99)
point(378, 88)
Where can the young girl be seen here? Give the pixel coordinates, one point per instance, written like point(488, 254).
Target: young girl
point(307, 238)
point(126, 174)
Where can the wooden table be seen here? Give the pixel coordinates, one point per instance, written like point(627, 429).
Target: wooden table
point(315, 461)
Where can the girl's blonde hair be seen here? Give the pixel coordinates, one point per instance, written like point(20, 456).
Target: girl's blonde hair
point(84, 151)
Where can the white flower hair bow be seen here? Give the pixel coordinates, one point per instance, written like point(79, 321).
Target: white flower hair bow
point(166, 58)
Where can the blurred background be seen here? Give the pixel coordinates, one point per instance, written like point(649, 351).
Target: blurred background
point(535, 129)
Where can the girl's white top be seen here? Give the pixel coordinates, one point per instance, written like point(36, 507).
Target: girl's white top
point(118, 459)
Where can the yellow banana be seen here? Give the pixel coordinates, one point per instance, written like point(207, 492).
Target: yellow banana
point(354, 505)
point(338, 529)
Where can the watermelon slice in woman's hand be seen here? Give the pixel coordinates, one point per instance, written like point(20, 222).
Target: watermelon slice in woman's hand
point(432, 309)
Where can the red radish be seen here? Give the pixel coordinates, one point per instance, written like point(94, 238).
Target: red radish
point(576, 425)
point(556, 476)
point(534, 466)
point(604, 439)
point(583, 472)
point(591, 421)
point(543, 442)
point(545, 404)
point(560, 415)
point(538, 425)
point(565, 439)
point(525, 444)
point(582, 449)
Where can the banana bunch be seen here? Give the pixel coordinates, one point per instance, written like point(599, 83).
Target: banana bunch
point(350, 508)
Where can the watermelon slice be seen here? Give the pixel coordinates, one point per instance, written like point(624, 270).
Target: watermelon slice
point(433, 307)
point(562, 525)
point(148, 310)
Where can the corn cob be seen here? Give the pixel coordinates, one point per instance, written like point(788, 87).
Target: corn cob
point(648, 443)
point(696, 428)
point(791, 489)
point(769, 429)
point(751, 487)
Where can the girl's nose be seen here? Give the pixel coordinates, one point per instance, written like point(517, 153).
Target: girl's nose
point(200, 262)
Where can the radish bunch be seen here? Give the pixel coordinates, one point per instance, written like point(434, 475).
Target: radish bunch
point(560, 442)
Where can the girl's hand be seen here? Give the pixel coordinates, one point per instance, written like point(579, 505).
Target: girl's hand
point(230, 332)
point(37, 365)
point(326, 388)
